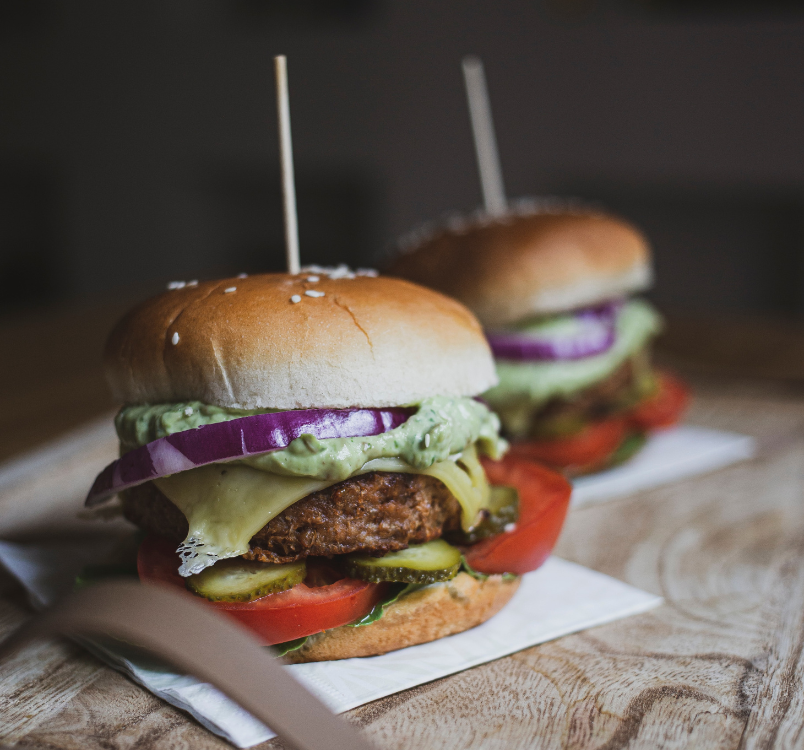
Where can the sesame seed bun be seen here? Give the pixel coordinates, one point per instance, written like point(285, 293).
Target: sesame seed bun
point(350, 340)
point(420, 617)
point(519, 266)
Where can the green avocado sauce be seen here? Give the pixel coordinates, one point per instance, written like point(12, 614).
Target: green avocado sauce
point(440, 428)
point(526, 386)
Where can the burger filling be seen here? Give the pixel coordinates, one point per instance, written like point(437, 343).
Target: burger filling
point(623, 389)
point(552, 398)
point(376, 513)
point(373, 494)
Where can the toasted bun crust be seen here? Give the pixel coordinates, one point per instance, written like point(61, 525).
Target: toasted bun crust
point(242, 343)
point(425, 615)
point(509, 269)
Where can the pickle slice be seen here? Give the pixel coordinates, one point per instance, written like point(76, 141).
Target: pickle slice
point(503, 508)
point(420, 563)
point(238, 580)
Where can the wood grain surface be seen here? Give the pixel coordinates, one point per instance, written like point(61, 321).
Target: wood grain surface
point(720, 665)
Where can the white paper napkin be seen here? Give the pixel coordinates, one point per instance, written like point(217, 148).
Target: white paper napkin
point(668, 456)
point(558, 599)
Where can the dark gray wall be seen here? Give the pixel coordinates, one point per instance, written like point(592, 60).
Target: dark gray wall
point(138, 142)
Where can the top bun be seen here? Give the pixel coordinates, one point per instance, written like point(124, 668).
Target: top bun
point(517, 266)
point(353, 340)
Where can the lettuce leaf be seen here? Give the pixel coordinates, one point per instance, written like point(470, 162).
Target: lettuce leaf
point(395, 592)
point(285, 648)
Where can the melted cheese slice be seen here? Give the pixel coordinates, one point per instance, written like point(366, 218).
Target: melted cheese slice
point(227, 504)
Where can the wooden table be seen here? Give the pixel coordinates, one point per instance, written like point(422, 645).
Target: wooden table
point(721, 664)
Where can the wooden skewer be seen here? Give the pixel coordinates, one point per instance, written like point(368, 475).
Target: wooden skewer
point(286, 158)
point(488, 158)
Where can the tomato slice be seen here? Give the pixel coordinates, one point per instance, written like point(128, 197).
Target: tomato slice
point(544, 498)
point(664, 408)
point(586, 449)
point(295, 613)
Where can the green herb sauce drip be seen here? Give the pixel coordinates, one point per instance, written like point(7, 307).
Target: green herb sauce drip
point(525, 387)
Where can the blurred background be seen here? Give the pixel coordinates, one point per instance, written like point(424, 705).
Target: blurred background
point(138, 145)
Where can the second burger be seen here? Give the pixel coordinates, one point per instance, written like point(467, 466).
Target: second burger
point(553, 289)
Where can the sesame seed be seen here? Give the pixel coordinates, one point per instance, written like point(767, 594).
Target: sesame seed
point(176, 285)
point(175, 338)
point(194, 282)
point(242, 276)
point(188, 412)
point(340, 272)
point(337, 272)
point(509, 527)
point(314, 293)
point(230, 289)
point(427, 440)
point(312, 278)
point(295, 298)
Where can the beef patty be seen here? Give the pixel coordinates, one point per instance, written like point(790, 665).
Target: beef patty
point(374, 513)
point(595, 402)
point(620, 391)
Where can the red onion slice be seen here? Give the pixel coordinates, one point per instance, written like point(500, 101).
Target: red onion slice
point(594, 334)
point(237, 438)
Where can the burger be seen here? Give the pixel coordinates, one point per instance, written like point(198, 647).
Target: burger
point(553, 287)
point(306, 454)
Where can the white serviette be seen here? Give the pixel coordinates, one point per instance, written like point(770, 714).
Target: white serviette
point(668, 456)
point(558, 599)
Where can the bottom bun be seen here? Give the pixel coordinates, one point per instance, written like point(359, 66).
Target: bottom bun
point(425, 615)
